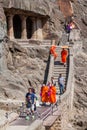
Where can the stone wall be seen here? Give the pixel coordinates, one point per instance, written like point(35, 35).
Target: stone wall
point(2, 35)
point(25, 67)
point(42, 9)
point(66, 105)
point(66, 7)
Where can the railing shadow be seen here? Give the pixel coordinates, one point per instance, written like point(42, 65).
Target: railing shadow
point(47, 70)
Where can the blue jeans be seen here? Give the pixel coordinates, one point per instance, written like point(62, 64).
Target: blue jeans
point(61, 88)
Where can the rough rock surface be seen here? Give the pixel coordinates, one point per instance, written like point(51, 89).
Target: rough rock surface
point(2, 23)
point(80, 15)
point(80, 60)
point(80, 96)
point(26, 67)
point(44, 8)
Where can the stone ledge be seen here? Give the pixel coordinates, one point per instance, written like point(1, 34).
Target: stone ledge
point(51, 119)
point(36, 125)
point(5, 122)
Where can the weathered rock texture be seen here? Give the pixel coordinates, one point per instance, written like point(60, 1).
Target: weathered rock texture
point(43, 8)
point(26, 67)
point(80, 15)
point(21, 67)
point(2, 22)
point(80, 97)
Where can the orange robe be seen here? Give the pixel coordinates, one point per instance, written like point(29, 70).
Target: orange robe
point(52, 98)
point(44, 94)
point(64, 54)
point(52, 51)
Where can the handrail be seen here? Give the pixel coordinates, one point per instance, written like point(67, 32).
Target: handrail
point(51, 67)
point(70, 86)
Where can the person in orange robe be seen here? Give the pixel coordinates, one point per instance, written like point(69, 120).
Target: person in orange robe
point(44, 93)
point(52, 98)
point(64, 54)
point(53, 52)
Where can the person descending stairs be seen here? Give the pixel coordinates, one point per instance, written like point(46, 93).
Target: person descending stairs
point(60, 69)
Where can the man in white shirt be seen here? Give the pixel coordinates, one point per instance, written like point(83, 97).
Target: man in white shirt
point(61, 83)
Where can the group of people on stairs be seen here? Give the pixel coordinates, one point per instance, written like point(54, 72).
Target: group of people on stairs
point(64, 54)
point(48, 91)
point(30, 102)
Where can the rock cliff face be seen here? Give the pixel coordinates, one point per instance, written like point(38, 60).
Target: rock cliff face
point(2, 22)
point(80, 62)
point(80, 95)
point(44, 8)
point(25, 68)
point(80, 14)
point(22, 68)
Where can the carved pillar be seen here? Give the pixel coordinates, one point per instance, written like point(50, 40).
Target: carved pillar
point(34, 29)
point(24, 32)
point(39, 29)
point(10, 31)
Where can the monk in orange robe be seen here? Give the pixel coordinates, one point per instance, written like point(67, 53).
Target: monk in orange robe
point(52, 98)
point(64, 54)
point(44, 93)
point(53, 52)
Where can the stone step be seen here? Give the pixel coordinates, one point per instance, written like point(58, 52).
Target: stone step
point(56, 76)
point(51, 119)
point(25, 45)
point(60, 66)
point(56, 79)
point(60, 70)
point(57, 63)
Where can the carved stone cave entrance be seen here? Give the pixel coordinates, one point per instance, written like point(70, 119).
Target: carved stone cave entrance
point(29, 27)
point(26, 25)
point(17, 26)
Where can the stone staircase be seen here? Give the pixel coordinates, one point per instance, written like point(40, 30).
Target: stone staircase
point(57, 68)
point(60, 69)
point(33, 43)
point(65, 38)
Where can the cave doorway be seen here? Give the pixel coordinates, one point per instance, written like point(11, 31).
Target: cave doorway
point(17, 26)
point(29, 27)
